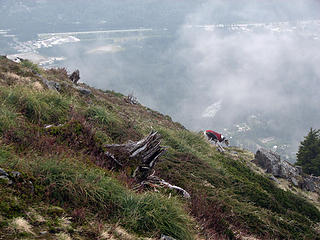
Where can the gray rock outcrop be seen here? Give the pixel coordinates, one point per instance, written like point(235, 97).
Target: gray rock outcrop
point(3, 173)
point(311, 183)
point(4, 176)
point(272, 163)
point(83, 90)
point(164, 237)
point(50, 84)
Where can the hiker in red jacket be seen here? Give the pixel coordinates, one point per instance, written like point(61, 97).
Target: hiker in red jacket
point(215, 137)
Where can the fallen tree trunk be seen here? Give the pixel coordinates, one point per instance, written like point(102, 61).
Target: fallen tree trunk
point(141, 156)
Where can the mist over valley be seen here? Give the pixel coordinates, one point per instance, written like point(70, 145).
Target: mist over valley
point(248, 69)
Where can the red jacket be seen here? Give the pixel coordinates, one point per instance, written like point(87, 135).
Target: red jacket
point(218, 135)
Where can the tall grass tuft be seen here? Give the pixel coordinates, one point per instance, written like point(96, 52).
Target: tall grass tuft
point(100, 115)
point(151, 211)
point(33, 67)
point(72, 182)
point(8, 118)
point(76, 184)
point(5, 155)
point(37, 107)
point(106, 120)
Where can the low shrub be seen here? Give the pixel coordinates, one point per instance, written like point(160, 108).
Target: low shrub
point(106, 120)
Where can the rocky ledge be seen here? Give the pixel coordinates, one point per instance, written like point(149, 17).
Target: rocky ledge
point(273, 164)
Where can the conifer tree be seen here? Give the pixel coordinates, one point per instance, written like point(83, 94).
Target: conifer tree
point(308, 156)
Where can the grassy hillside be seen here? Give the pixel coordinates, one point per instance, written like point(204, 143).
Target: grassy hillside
point(62, 193)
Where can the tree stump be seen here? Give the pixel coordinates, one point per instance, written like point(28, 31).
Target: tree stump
point(75, 76)
point(144, 154)
point(141, 156)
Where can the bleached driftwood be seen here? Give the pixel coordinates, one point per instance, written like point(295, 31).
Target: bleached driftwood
point(156, 182)
point(179, 189)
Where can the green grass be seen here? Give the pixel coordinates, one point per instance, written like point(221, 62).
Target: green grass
point(33, 67)
point(144, 213)
point(102, 116)
point(74, 183)
point(8, 118)
point(38, 107)
point(10, 206)
point(253, 198)
point(107, 121)
point(265, 194)
point(5, 155)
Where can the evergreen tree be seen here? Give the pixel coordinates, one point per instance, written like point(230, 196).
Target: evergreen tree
point(308, 156)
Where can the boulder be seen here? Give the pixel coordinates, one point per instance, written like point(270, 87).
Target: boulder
point(50, 84)
point(4, 177)
point(273, 178)
point(3, 173)
point(272, 163)
point(268, 161)
point(84, 91)
point(164, 237)
point(310, 183)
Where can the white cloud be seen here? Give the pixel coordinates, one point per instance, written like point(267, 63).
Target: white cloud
point(250, 66)
point(212, 110)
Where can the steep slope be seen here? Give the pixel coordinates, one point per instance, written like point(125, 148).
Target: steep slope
point(55, 138)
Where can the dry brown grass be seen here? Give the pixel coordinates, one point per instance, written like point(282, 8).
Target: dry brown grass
point(21, 225)
point(63, 236)
point(35, 216)
point(59, 73)
point(14, 78)
point(37, 86)
point(114, 232)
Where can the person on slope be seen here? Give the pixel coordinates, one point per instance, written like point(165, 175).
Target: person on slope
point(217, 138)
